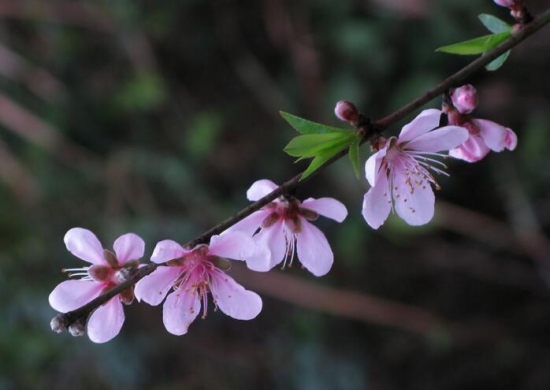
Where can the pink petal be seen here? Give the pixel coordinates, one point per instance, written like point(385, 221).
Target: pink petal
point(167, 250)
point(511, 139)
point(154, 287)
point(427, 120)
point(328, 207)
point(72, 294)
point(106, 321)
point(492, 133)
point(377, 202)
point(260, 189)
point(179, 311)
point(313, 250)
point(414, 204)
point(271, 244)
point(250, 224)
point(474, 149)
point(232, 245)
point(129, 247)
point(445, 138)
point(373, 166)
point(84, 244)
point(233, 299)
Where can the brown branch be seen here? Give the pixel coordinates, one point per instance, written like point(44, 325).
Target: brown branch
point(370, 129)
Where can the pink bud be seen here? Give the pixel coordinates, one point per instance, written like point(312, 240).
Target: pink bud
point(464, 99)
point(505, 3)
point(346, 111)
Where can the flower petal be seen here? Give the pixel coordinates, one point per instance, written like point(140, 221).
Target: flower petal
point(179, 311)
point(72, 294)
point(445, 138)
point(250, 224)
point(413, 198)
point(232, 245)
point(377, 202)
point(474, 149)
point(106, 321)
point(427, 120)
point(154, 287)
point(511, 139)
point(314, 250)
point(129, 247)
point(373, 166)
point(84, 244)
point(167, 250)
point(271, 248)
point(260, 189)
point(492, 133)
point(233, 299)
point(328, 207)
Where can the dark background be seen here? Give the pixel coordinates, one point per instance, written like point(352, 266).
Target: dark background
point(156, 116)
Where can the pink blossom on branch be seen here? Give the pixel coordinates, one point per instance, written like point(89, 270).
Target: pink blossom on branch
point(107, 270)
point(506, 3)
point(283, 228)
point(192, 274)
point(484, 135)
point(399, 173)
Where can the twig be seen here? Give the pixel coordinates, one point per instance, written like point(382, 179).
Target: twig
point(370, 129)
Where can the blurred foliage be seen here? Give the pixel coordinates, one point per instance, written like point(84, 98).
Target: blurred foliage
point(155, 117)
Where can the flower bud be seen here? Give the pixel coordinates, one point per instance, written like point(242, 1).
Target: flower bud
point(505, 3)
point(77, 328)
point(464, 99)
point(58, 323)
point(346, 111)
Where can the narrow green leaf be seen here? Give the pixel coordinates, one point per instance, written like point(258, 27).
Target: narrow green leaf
point(497, 62)
point(354, 156)
point(477, 45)
point(310, 145)
point(314, 165)
point(303, 126)
point(494, 24)
point(327, 154)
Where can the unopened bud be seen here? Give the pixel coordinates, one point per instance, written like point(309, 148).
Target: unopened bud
point(505, 3)
point(464, 99)
point(346, 111)
point(58, 323)
point(77, 328)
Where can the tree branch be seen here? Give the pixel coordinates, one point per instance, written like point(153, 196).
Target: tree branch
point(369, 129)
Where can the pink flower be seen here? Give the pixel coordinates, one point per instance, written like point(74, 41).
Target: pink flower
point(284, 226)
point(108, 269)
point(506, 3)
point(193, 273)
point(464, 98)
point(484, 136)
point(399, 173)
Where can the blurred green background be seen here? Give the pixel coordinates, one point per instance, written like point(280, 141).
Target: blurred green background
point(156, 116)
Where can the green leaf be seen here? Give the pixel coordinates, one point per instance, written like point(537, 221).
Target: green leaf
point(324, 156)
point(497, 62)
point(314, 165)
point(310, 145)
point(303, 126)
point(477, 45)
point(494, 24)
point(354, 156)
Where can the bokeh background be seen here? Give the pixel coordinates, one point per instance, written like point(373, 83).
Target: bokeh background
point(155, 117)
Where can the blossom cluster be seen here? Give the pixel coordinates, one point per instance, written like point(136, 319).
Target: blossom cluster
point(186, 276)
point(401, 171)
point(401, 176)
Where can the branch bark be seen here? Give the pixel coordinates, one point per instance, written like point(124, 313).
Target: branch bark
point(370, 129)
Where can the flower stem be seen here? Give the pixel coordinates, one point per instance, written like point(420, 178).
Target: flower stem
point(370, 129)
